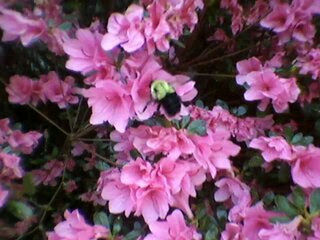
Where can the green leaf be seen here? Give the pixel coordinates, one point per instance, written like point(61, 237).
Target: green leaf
point(178, 43)
point(297, 138)
point(284, 174)
point(101, 218)
point(20, 210)
point(298, 198)
point(199, 104)
point(241, 111)
point(102, 166)
point(66, 26)
point(198, 127)
point(268, 198)
point(288, 133)
point(133, 235)
point(185, 121)
point(117, 226)
point(283, 219)
point(28, 184)
point(255, 161)
point(222, 104)
point(315, 201)
point(307, 140)
point(283, 205)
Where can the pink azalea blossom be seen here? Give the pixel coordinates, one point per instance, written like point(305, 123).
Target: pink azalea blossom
point(24, 142)
point(10, 166)
point(121, 197)
point(110, 102)
point(306, 167)
point(316, 229)
point(273, 148)
point(256, 219)
point(15, 25)
point(85, 52)
point(310, 63)
point(76, 228)
point(3, 196)
point(4, 130)
point(20, 89)
point(48, 174)
point(279, 19)
point(232, 232)
point(237, 192)
point(125, 30)
point(173, 228)
point(245, 67)
point(58, 91)
point(286, 231)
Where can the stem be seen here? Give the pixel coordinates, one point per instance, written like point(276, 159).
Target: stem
point(223, 57)
point(214, 75)
point(94, 139)
point(48, 119)
point(105, 159)
point(78, 112)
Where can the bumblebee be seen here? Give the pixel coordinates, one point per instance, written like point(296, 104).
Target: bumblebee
point(167, 97)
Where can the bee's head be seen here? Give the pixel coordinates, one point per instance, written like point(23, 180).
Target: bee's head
point(160, 88)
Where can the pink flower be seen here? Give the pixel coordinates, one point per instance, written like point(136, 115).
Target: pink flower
point(75, 228)
point(173, 228)
point(16, 26)
point(157, 29)
point(70, 186)
point(273, 148)
point(287, 231)
point(263, 84)
point(237, 192)
point(256, 219)
point(247, 66)
point(305, 169)
point(316, 229)
point(232, 232)
point(58, 91)
point(4, 130)
point(10, 166)
point(280, 19)
point(24, 142)
point(120, 196)
point(3, 196)
point(125, 30)
point(85, 52)
point(310, 63)
point(110, 102)
point(20, 89)
point(48, 174)
point(137, 173)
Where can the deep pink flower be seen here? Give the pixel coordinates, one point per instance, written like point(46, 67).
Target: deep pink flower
point(16, 26)
point(110, 102)
point(273, 148)
point(172, 229)
point(70, 186)
point(256, 219)
point(233, 231)
point(24, 142)
point(237, 192)
point(316, 229)
point(285, 231)
point(10, 166)
point(125, 30)
point(76, 228)
point(280, 19)
point(305, 169)
point(85, 52)
point(20, 89)
point(310, 63)
point(3, 196)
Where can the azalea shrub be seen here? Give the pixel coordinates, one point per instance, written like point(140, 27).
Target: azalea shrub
point(160, 119)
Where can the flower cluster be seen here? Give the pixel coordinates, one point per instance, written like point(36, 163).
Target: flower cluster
point(23, 90)
point(76, 228)
point(13, 142)
point(266, 86)
point(292, 21)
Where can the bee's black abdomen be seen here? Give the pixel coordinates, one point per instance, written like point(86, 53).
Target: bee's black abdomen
point(171, 104)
